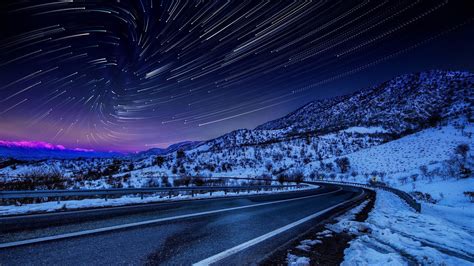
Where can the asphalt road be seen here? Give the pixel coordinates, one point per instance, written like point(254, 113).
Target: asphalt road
point(222, 231)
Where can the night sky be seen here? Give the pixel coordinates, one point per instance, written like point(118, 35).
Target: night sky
point(130, 75)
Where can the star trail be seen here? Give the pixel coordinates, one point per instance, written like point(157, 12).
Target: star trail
point(130, 75)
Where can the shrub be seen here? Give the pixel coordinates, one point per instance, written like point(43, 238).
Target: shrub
point(313, 175)
point(460, 163)
point(267, 179)
point(464, 172)
point(186, 180)
point(434, 119)
point(126, 177)
point(470, 195)
point(281, 178)
point(424, 170)
point(403, 180)
point(424, 197)
point(180, 154)
point(297, 177)
point(174, 170)
point(462, 150)
point(198, 181)
point(343, 164)
point(269, 166)
point(329, 167)
point(165, 181)
point(159, 161)
point(182, 181)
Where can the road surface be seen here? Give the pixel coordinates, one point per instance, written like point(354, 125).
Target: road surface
point(215, 231)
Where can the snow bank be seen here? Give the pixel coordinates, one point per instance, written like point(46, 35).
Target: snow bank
point(398, 236)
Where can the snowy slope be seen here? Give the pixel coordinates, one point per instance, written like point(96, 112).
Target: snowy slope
point(426, 147)
point(395, 235)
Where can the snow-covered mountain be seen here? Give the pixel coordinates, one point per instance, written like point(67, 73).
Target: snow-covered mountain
point(37, 150)
point(405, 103)
point(184, 145)
point(401, 106)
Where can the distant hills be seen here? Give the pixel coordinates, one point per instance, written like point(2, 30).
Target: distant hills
point(38, 150)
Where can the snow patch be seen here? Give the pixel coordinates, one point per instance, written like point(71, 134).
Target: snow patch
point(365, 130)
point(398, 236)
point(294, 260)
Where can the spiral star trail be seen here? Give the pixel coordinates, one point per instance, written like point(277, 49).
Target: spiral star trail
point(127, 75)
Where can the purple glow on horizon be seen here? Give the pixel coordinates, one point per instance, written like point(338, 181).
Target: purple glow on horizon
point(38, 145)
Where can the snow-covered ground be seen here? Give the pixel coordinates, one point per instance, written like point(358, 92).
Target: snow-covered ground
point(443, 233)
point(401, 161)
point(406, 154)
point(396, 235)
point(52, 206)
point(344, 222)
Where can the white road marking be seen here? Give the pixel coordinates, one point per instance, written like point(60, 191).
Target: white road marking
point(252, 242)
point(129, 225)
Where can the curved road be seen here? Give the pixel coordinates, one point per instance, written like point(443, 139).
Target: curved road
point(232, 231)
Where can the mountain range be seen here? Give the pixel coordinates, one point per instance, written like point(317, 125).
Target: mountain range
point(321, 129)
point(402, 105)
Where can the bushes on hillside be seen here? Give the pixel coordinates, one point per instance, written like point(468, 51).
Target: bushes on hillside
point(182, 181)
point(296, 176)
point(38, 179)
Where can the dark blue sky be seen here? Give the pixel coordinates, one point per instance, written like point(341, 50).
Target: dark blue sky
point(130, 75)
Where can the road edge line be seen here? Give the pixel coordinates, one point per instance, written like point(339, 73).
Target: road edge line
point(226, 253)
